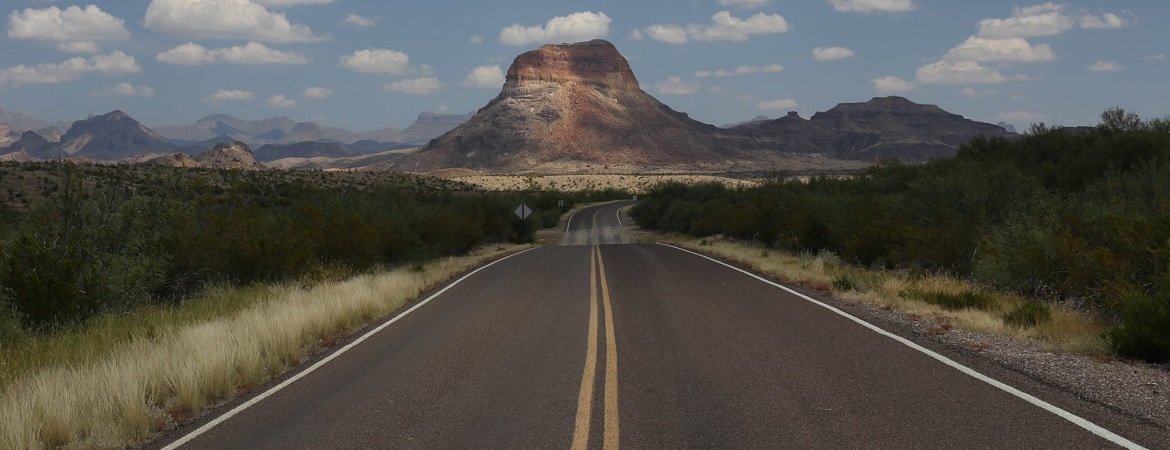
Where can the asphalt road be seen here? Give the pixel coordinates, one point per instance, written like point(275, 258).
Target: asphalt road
point(590, 345)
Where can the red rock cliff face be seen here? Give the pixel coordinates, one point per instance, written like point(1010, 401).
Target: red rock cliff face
point(596, 62)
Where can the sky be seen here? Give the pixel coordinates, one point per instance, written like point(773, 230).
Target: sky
point(365, 64)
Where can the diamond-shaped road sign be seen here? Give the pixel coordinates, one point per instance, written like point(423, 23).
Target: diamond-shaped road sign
point(523, 211)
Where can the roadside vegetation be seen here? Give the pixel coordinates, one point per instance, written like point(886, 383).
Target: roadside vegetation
point(1056, 221)
point(132, 298)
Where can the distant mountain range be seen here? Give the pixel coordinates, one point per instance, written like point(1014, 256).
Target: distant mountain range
point(221, 128)
point(569, 108)
point(116, 136)
point(574, 108)
point(883, 128)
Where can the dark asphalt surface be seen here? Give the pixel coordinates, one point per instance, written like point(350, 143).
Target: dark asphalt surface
point(707, 357)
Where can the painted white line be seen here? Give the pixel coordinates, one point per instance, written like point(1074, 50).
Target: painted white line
point(570, 222)
point(322, 362)
point(1076, 420)
point(619, 216)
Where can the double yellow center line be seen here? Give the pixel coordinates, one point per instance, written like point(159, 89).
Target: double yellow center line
point(611, 431)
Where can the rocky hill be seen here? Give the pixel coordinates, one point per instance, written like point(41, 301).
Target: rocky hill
point(182, 160)
point(880, 129)
point(429, 126)
point(7, 136)
point(35, 147)
point(236, 156)
point(572, 107)
point(111, 137)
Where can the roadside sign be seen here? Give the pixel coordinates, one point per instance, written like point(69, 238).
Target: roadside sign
point(635, 198)
point(560, 203)
point(523, 211)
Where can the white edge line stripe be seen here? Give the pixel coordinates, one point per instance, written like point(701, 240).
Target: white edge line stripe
point(619, 216)
point(570, 222)
point(322, 362)
point(1078, 421)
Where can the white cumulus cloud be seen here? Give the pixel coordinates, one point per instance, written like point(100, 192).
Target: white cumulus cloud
point(360, 21)
point(868, 6)
point(1106, 66)
point(191, 54)
point(981, 49)
point(225, 19)
point(581, 26)
point(72, 24)
point(723, 27)
point(831, 53)
point(1106, 21)
point(125, 90)
point(115, 63)
point(475, 40)
point(415, 86)
point(377, 61)
point(785, 104)
point(317, 92)
point(676, 86)
point(282, 102)
point(961, 72)
point(740, 70)
point(485, 77)
point(1046, 19)
point(229, 95)
point(892, 85)
point(670, 33)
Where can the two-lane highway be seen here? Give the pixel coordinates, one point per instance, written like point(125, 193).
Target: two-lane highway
point(641, 346)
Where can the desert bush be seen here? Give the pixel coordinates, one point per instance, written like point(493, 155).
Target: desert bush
point(953, 301)
point(1143, 332)
point(1028, 314)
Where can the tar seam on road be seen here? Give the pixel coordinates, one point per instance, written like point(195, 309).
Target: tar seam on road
point(254, 400)
point(1076, 420)
point(611, 431)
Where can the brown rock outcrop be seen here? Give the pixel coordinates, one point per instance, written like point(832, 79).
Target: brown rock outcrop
point(234, 156)
point(181, 160)
point(572, 108)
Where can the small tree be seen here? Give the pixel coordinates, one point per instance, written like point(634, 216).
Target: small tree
point(1116, 120)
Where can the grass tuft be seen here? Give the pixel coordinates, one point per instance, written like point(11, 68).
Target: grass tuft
point(1028, 314)
point(954, 301)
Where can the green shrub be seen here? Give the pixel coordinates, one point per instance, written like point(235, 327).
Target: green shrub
point(1145, 330)
point(953, 302)
point(844, 282)
point(1028, 314)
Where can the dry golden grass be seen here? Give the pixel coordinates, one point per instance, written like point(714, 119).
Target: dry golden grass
point(145, 383)
point(633, 183)
point(1066, 331)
